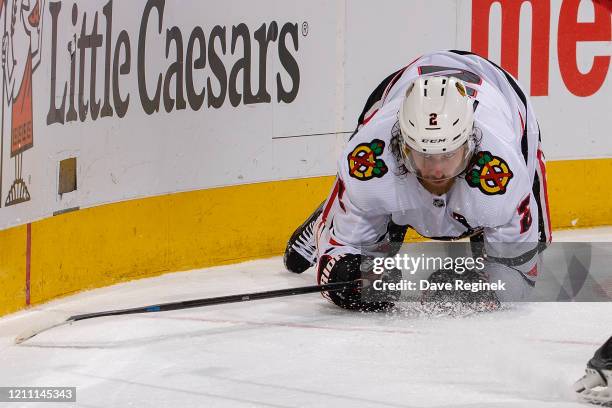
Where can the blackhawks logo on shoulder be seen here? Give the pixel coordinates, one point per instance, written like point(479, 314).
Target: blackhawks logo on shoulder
point(490, 174)
point(364, 163)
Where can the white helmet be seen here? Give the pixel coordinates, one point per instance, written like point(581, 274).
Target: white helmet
point(436, 119)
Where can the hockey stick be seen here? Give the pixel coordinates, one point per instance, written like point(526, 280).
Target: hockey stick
point(186, 304)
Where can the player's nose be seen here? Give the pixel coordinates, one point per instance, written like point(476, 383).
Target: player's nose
point(436, 168)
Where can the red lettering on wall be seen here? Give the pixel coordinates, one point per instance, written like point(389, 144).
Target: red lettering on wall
point(606, 3)
point(540, 35)
point(570, 33)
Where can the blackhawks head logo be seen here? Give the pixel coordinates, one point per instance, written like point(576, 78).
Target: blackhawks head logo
point(364, 163)
point(490, 174)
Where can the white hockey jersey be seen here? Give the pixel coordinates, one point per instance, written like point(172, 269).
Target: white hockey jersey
point(496, 196)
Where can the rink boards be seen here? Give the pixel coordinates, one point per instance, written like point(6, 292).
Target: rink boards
point(118, 242)
point(191, 151)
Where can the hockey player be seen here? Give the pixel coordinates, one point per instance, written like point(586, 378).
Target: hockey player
point(596, 385)
point(450, 147)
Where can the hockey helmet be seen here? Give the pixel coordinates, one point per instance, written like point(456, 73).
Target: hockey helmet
point(436, 119)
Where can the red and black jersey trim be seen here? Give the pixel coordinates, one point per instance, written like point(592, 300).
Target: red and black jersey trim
point(377, 95)
point(517, 90)
point(518, 260)
point(544, 235)
point(544, 232)
point(469, 232)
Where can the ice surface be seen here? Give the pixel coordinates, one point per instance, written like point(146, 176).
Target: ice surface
point(299, 351)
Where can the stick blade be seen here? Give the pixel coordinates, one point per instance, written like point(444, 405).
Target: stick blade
point(28, 334)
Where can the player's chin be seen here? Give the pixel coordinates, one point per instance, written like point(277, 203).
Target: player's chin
point(437, 186)
point(438, 181)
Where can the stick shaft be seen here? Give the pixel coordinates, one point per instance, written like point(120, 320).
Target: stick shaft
point(244, 297)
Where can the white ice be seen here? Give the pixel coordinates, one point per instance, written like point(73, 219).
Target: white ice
point(299, 351)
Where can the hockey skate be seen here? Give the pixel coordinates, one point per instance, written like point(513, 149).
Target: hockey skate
point(301, 248)
point(595, 386)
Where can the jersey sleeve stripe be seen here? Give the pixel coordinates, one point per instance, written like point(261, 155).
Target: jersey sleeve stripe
point(330, 200)
point(545, 194)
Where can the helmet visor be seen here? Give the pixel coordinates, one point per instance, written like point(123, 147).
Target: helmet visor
point(436, 167)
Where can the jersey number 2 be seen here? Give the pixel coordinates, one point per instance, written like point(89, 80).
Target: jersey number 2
point(525, 213)
point(433, 119)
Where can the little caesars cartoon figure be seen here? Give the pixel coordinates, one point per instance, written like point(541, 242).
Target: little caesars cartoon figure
point(20, 58)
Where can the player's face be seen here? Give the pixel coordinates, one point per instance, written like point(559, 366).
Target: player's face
point(436, 172)
point(437, 168)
